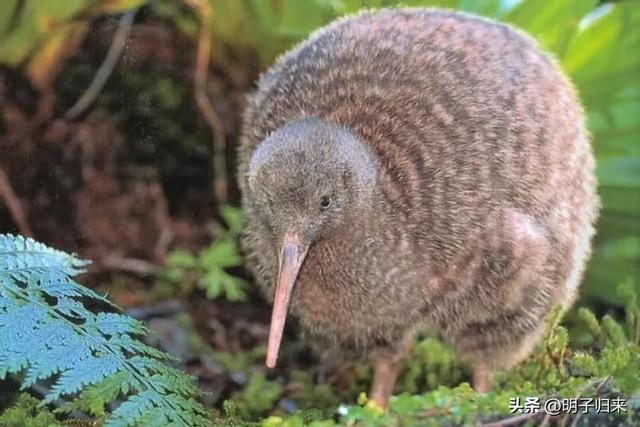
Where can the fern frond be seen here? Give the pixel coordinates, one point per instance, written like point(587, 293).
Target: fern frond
point(47, 332)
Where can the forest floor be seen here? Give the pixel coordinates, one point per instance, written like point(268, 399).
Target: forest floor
point(131, 180)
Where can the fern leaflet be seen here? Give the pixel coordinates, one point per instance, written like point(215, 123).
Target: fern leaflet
point(47, 331)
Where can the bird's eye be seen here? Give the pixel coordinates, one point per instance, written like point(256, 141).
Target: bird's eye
point(325, 202)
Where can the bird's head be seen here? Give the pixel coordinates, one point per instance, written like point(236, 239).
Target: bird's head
point(306, 180)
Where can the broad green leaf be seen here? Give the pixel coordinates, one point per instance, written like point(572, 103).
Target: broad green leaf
point(9, 9)
point(299, 18)
point(183, 259)
point(606, 47)
point(553, 23)
point(222, 253)
point(114, 6)
point(37, 20)
point(233, 218)
point(489, 8)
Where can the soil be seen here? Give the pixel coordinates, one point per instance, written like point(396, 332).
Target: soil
point(132, 177)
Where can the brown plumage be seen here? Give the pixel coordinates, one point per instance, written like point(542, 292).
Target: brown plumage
point(435, 170)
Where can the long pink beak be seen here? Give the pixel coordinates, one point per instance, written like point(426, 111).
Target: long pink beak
point(291, 259)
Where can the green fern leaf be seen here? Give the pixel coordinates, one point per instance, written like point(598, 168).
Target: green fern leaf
point(48, 333)
point(94, 398)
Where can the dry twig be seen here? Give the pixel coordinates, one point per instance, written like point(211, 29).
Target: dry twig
point(128, 265)
point(13, 204)
point(203, 8)
point(105, 70)
point(599, 384)
point(515, 421)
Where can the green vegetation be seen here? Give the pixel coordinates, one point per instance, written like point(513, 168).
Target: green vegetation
point(95, 358)
point(595, 43)
point(593, 352)
point(28, 412)
point(92, 357)
point(40, 34)
point(185, 271)
point(608, 368)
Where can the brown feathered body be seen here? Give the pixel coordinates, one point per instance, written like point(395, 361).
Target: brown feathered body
point(482, 213)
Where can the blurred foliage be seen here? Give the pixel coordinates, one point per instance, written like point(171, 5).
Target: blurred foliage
point(596, 43)
point(27, 412)
point(257, 397)
point(185, 271)
point(40, 34)
point(430, 365)
point(594, 358)
point(265, 27)
point(52, 331)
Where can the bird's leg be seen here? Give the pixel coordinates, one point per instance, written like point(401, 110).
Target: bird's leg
point(386, 366)
point(385, 373)
point(482, 377)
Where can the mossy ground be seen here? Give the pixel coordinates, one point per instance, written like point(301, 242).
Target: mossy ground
point(592, 358)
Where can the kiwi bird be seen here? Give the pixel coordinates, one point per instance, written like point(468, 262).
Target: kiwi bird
point(416, 169)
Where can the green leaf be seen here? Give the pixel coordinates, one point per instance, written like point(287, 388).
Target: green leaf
point(212, 283)
point(233, 287)
point(258, 396)
point(222, 253)
point(114, 6)
point(36, 20)
point(553, 23)
point(27, 412)
point(233, 218)
point(406, 403)
point(95, 398)
point(489, 8)
point(48, 333)
point(8, 11)
point(181, 259)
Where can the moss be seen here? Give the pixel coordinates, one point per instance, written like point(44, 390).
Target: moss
point(27, 412)
point(607, 367)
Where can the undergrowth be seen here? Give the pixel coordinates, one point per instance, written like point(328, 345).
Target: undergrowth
point(95, 365)
point(69, 341)
point(208, 270)
point(595, 359)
